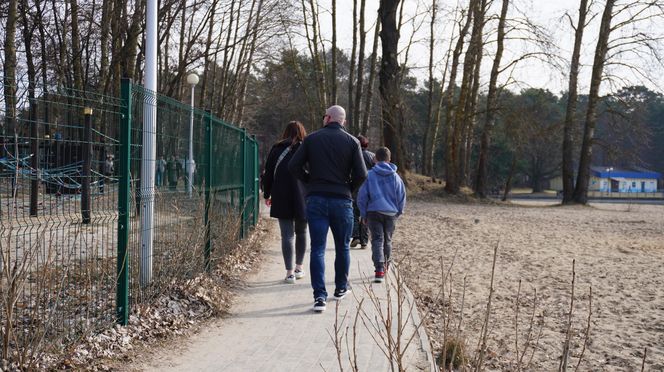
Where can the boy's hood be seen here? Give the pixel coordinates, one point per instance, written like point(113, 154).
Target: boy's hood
point(384, 168)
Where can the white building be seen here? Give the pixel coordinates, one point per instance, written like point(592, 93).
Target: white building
point(629, 180)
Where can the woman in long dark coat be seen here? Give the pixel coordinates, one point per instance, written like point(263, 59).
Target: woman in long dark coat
point(285, 194)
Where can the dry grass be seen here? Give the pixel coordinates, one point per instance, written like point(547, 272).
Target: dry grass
point(58, 282)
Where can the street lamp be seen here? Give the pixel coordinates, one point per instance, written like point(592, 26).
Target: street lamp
point(609, 170)
point(192, 79)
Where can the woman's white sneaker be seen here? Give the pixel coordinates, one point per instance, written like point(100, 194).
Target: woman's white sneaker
point(290, 279)
point(299, 274)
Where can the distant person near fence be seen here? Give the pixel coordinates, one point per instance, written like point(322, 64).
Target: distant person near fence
point(172, 173)
point(107, 170)
point(160, 171)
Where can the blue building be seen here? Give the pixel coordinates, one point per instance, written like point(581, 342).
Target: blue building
point(629, 180)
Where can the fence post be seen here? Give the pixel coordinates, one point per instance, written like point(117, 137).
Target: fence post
point(257, 172)
point(87, 165)
point(122, 287)
point(243, 196)
point(34, 163)
point(208, 187)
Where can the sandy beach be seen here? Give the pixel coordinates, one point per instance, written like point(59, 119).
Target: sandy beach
point(618, 249)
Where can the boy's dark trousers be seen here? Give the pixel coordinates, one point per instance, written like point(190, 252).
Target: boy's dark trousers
point(382, 227)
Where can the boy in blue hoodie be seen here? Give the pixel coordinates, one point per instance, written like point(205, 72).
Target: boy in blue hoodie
point(381, 200)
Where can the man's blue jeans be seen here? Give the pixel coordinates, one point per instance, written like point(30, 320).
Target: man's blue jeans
point(325, 213)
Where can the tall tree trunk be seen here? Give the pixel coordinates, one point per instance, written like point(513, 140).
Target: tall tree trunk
point(116, 45)
point(470, 112)
point(181, 57)
point(389, 83)
point(10, 69)
point(249, 63)
point(28, 33)
point(333, 79)
point(451, 183)
point(453, 164)
point(491, 108)
point(44, 64)
point(245, 49)
point(228, 57)
point(570, 114)
point(105, 29)
point(317, 60)
point(130, 50)
point(351, 74)
point(581, 190)
point(370, 84)
point(206, 54)
point(76, 47)
point(428, 133)
point(356, 124)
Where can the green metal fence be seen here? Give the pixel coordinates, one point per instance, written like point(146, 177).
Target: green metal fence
point(70, 207)
point(225, 185)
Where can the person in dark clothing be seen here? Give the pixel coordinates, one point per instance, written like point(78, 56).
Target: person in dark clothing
point(172, 173)
point(285, 195)
point(107, 171)
point(335, 169)
point(361, 231)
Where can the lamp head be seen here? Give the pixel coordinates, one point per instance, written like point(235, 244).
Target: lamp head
point(192, 79)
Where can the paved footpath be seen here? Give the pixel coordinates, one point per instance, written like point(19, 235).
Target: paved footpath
point(272, 326)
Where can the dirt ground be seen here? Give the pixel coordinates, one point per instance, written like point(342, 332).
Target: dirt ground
point(618, 249)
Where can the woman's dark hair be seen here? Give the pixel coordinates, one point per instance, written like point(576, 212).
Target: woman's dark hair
point(364, 141)
point(295, 132)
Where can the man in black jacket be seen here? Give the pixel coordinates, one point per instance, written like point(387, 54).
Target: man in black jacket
point(335, 170)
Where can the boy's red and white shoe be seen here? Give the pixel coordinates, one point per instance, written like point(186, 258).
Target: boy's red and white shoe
point(379, 277)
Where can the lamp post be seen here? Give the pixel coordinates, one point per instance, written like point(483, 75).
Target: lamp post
point(609, 170)
point(192, 79)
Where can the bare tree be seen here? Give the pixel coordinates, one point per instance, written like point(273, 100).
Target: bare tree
point(28, 34)
point(463, 116)
point(206, 55)
point(389, 83)
point(451, 184)
point(610, 51)
point(491, 107)
point(581, 189)
point(333, 80)
point(572, 97)
point(316, 58)
point(76, 53)
point(356, 125)
point(427, 155)
point(249, 62)
point(465, 135)
point(370, 84)
point(10, 66)
point(351, 74)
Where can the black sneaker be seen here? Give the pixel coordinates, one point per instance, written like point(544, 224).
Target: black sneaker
point(319, 305)
point(341, 293)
